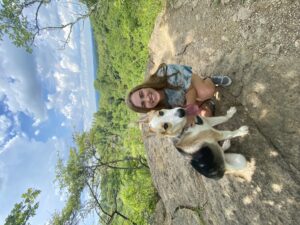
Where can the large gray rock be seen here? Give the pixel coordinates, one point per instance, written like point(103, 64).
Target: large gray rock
point(256, 44)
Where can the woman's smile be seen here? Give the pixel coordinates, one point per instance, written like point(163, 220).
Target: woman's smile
point(146, 98)
point(151, 97)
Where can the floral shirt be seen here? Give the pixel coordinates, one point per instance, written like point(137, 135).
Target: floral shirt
point(178, 76)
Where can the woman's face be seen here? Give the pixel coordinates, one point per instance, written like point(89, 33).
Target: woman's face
point(145, 98)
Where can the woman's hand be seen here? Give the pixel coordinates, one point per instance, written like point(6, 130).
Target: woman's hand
point(191, 112)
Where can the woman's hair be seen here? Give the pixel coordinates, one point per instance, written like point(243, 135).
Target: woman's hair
point(155, 82)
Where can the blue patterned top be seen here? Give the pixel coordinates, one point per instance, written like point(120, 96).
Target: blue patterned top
point(178, 76)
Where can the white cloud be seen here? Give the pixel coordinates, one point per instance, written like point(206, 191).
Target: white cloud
point(5, 123)
point(67, 111)
point(3, 176)
point(67, 63)
point(36, 123)
point(19, 82)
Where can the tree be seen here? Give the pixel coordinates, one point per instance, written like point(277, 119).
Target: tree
point(22, 211)
point(81, 173)
point(23, 28)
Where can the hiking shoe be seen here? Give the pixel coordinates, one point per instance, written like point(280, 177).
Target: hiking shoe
point(221, 80)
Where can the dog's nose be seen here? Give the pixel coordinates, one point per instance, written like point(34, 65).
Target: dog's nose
point(180, 112)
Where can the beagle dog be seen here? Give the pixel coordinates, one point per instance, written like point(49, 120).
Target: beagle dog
point(199, 143)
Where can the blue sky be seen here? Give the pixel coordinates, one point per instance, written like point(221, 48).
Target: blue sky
point(44, 97)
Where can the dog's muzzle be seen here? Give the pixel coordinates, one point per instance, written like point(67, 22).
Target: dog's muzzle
point(180, 113)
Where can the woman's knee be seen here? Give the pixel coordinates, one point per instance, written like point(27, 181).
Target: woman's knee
point(205, 89)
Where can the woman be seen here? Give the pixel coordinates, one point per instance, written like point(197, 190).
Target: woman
point(172, 86)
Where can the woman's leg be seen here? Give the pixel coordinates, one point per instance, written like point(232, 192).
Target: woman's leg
point(205, 88)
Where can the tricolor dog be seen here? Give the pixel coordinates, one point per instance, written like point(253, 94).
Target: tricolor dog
point(199, 143)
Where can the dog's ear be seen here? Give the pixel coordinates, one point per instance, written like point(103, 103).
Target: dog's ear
point(151, 114)
point(143, 119)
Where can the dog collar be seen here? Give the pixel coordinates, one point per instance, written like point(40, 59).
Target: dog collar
point(177, 138)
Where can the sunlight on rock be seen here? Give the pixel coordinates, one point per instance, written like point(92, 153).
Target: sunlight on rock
point(273, 153)
point(189, 37)
point(277, 187)
point(229, 212)
point(247, 200)
point(269, 202)
point(263, 114)
point(291, 201)
point(259, 88)
point(256, 191)
point(290, 74)
point(254, 100)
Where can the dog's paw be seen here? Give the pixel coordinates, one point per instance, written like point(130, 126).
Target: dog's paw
point(243, 130)
point(231, 112)
point(226, 145)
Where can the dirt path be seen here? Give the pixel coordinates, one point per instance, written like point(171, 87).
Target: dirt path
point(257, 43)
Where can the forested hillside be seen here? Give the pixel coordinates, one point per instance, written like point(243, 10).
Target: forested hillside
point(110, 159)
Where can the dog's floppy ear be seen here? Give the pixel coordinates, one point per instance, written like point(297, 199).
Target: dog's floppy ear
point(145, 118)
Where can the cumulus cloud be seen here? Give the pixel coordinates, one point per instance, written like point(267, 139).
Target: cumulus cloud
point(66, 63)
point(5, 123)
point(19, 82)
point(3, 177)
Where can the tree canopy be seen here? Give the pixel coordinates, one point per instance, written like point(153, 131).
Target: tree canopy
point(25, 209)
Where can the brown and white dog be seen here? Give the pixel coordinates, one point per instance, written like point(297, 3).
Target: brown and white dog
point(199, 143)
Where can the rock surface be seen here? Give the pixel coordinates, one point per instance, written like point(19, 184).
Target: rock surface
point(256, 43)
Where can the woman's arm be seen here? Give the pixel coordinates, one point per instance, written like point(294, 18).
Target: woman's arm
point(190, 96)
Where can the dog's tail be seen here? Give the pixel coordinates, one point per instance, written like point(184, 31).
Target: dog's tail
point(237, 165)
point(234, 161)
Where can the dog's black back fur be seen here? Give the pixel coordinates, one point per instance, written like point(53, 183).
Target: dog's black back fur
point(209, 161)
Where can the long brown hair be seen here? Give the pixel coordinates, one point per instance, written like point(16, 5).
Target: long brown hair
point(153, 81)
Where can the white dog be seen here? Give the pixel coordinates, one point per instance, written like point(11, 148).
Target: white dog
point(199, 143)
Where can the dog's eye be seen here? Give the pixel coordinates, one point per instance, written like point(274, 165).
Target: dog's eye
point(161, 113)
point(166, 126)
